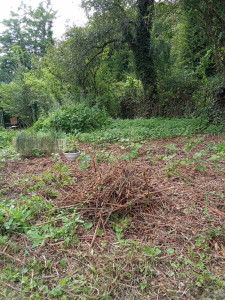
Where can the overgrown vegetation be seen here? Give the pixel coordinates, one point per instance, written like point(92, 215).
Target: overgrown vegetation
point(37, 144)
point(6, 137)
point(132, 59)
point(72, 119)
point(154, 128)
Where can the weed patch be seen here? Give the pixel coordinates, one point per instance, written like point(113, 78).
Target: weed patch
point(142, 129)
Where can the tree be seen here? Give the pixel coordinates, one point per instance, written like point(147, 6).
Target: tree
point(116, 22)
point(38, 29)
point(208, 17)
point(28, 32)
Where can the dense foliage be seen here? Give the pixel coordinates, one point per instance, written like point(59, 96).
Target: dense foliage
point(155, 128)
point(28, 32)
point(73, 118)
point(6, 137)
point(133, 59)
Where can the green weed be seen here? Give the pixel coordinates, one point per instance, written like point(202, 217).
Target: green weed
point(133, 153)
point(84, 161)
point(141, 129)
point(192, 144)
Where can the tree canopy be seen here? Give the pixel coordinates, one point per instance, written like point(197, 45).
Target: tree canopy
point(27, 33)
point(132, 58)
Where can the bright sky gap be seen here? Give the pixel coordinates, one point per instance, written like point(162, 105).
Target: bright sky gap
point(69, 12)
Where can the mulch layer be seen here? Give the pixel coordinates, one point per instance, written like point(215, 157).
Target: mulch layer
point(169, 206)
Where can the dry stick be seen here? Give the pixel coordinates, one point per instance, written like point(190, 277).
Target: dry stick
point(47, 222)
point(24, 260)
point(218, 212)
point(72, 206)
point(92, 157)
point(155, 192)
point(62, 207)
point(146, 183)
point(5, 248)
point(13, 258)
point(166, 256)
point(107, 160)
point(116, 204)
point(67, 196)
point(95, 165)
point(94, 236)
point(12, 287)
point(102, 223)
point(71, 187)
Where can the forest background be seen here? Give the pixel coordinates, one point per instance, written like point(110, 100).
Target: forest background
point(132, 59)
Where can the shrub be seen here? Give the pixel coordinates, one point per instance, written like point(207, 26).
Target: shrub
point(132, 95)
point(6, 137)
point(210, 98)
point(175, 93)
point(73, 118)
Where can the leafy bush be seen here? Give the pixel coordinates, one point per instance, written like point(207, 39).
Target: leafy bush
point(210, 98)
point(36, 144)
point(132, 95)
point(175, 93)
point(73, 118)
point(6, 137)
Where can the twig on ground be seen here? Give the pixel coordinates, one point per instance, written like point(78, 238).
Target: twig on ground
point(95, 234)
point(218, 212)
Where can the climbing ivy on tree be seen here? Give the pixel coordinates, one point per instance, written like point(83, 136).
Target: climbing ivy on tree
point(128, 22)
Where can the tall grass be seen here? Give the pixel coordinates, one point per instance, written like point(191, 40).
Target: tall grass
point(37, 144)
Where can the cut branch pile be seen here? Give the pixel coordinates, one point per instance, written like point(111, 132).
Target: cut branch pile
point(118, 188)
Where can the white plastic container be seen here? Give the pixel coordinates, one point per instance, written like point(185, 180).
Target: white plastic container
point(71, 156)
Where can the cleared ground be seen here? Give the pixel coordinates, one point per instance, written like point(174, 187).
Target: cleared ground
point(133, 220)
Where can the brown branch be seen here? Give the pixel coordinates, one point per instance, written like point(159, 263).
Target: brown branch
point(218, 212)
point(95, 234)
point(9, 256)
point(12, 287)
point(146, 183)
point(102, 48)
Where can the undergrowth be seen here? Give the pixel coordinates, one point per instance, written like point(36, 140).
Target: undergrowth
point(6, 137)
point(73, 118)
point(154, 128)
point(7, 150)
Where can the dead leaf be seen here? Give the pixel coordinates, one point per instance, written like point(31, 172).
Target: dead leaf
point(217, 247)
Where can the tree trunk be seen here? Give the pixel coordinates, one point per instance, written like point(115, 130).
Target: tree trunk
point(143, 58)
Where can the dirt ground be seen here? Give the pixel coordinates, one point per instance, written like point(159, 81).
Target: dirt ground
point(172, 191)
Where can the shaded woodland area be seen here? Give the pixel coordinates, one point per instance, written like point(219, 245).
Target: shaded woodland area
point(132, 59)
